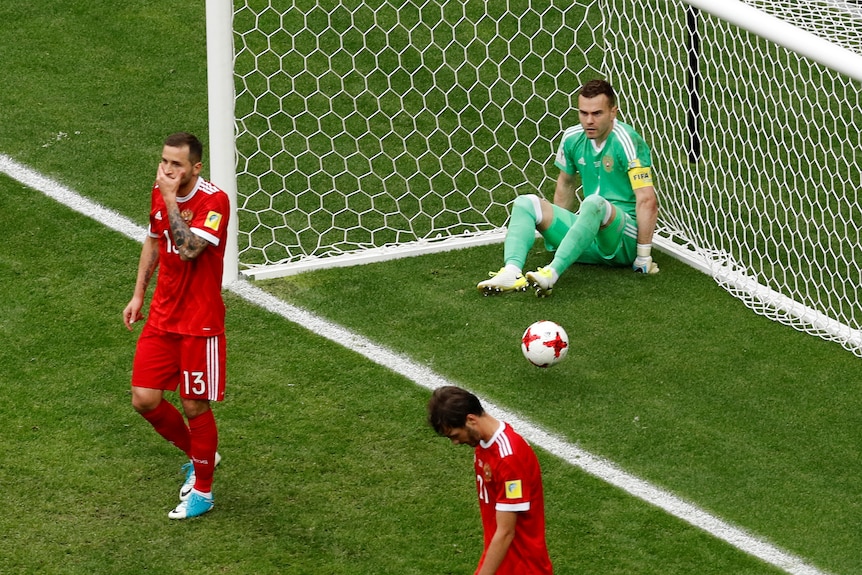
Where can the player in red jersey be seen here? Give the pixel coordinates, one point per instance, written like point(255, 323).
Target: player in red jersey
point(508, 480)
point(183, 341)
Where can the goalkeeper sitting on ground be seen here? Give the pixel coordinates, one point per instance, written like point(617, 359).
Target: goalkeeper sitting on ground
point(617, 216)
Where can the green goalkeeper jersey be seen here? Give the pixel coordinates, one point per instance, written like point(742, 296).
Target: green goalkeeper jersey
point(605, 170)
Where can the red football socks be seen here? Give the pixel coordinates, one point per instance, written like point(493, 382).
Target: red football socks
point(169, 423)
point(204, 441)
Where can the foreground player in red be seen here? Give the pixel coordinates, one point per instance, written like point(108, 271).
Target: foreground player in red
point(509, 483)
point(183, 342)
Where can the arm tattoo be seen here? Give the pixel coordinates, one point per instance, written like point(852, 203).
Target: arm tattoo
point(189, 245)
point(151, 268)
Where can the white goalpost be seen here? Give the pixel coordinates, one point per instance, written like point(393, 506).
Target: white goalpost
point(220, 94)
point(352, 132)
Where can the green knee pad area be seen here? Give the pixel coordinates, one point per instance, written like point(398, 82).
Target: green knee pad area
point(588, 242)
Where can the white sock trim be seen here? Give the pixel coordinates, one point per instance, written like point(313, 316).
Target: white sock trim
point(606, 219)
point(537, 207)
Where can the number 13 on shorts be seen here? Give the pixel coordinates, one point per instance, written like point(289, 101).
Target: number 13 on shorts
point(203, 369)
point(194, 383)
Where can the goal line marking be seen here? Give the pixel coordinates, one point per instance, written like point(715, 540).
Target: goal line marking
point(428, 379)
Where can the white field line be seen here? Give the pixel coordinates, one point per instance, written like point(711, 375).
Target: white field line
point(428, 379)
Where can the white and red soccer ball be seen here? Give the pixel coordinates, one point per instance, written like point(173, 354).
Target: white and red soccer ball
point(545, 343)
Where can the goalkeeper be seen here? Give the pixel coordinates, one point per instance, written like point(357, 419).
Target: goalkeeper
point(616, 219)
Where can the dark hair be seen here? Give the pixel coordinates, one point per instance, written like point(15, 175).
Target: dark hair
point(183, 139)
point(449, 407)
point(595, 88)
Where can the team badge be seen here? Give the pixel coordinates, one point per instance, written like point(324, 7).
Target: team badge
point(608, 163)
point(513, 489)
point(186, 215)
point(487, 473)
point(213, 221)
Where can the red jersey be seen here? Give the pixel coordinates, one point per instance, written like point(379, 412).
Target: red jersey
point(188, 298)
point(508, 478)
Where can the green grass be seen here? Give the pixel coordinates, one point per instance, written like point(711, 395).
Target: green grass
point(94, 87)
point(329, 467)
point(667, 375)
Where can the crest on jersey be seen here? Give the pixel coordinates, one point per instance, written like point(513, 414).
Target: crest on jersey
point(486, 471)
point(186, 215)
point(608, 163)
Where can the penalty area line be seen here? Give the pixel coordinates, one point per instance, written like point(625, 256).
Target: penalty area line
point(428, 379)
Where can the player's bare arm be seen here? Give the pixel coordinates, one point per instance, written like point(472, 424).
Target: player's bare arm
point(500, 542)
point(564, 197)
point(646, 208)
point(147, 265)
point(646, 211)
point(187, 243)
point(564, 193)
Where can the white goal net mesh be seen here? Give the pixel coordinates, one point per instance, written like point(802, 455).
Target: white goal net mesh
point(833, 20)
point(364, 126)
point(770, 200)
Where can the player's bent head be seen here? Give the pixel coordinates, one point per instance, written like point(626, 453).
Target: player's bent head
point(449, 407)
point(186, 140)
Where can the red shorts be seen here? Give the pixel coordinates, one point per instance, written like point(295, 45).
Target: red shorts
point(166, 360)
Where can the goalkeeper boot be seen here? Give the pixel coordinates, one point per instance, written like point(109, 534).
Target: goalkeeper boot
point(542, 280)
point(505, 280)
point(189, 483)
point(196, 504)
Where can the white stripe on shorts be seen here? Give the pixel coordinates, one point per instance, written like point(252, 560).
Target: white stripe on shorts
point(212, 368)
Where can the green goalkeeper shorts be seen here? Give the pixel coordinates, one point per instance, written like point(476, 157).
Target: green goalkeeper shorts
point(614, 244)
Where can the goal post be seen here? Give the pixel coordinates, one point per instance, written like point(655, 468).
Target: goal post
point(789, 33)
point(220, 108)
point(368, 130)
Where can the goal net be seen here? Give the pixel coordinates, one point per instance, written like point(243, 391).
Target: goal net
point(381, 128)
point(377, 129)
point(757, 146)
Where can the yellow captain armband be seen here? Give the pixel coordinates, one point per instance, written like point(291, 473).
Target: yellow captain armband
point(640, 177)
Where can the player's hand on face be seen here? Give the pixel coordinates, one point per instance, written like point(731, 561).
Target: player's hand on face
point(168, 179)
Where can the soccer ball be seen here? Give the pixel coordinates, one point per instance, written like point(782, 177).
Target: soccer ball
point(545, 343)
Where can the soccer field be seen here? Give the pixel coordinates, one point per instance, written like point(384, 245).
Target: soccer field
point(329, 467)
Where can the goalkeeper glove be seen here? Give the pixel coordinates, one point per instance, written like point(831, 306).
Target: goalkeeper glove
point(643, 262)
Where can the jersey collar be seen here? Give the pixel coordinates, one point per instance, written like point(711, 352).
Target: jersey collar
point(490, 442)
point(192, 193)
